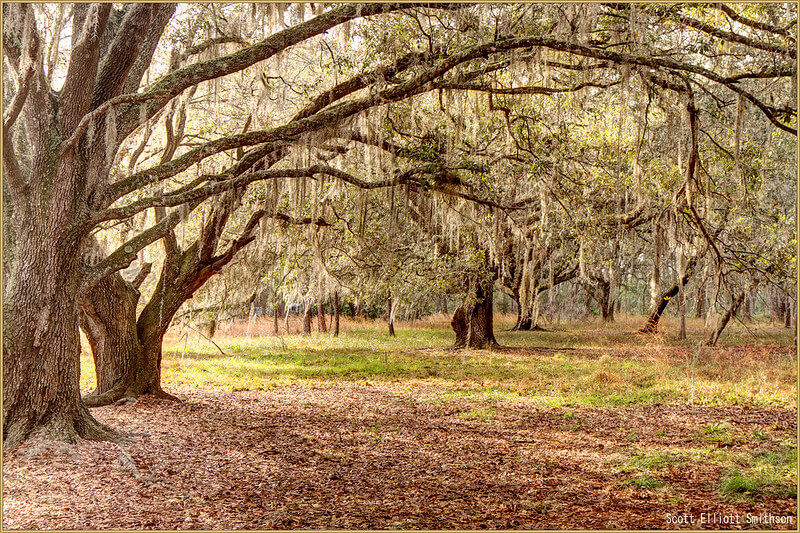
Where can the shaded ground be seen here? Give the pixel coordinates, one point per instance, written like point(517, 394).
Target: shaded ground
point(404, 455)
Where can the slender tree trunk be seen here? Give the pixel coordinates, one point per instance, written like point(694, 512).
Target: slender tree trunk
point(390, 316)
point(322, 327)
point(351, 308)
point(655, 275)
point(275, 312)
point(682, 314)
point(776, 309)
point(747, 309)
point(700, 303)
point(307, 320)
point(724, 319)
point(787, 323)
point(655, 314)
point(335, 313)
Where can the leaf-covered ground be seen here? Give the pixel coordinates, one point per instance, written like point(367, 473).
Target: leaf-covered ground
point(407, 455)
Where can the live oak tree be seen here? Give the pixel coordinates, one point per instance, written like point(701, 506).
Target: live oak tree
point(57, 171)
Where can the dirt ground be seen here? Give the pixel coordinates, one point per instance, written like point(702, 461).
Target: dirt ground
point(375, 456)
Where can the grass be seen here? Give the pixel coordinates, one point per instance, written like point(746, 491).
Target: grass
point(764, 473)
point(605, 366)
point(484, 414)
point(648, 460)
point(645, 482)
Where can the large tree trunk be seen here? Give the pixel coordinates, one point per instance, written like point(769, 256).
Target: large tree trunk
point(473, 322)
point(109, 322)
point(41, 343)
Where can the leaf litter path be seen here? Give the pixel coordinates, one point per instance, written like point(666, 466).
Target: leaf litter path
point(361, 456)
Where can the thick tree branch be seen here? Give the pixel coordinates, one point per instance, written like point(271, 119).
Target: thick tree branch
point(76, 94)
point(161, 17)
point(523, 90)
point(122, 53)
point(123, 256)
point(789, 51)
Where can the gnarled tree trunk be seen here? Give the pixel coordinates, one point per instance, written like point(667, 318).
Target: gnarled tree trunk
point(41, 343)
point(473, 321)
point(109, 322)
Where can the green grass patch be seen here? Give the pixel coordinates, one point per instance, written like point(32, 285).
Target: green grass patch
point(647, 460)
point(748, 475)
point(645, 482)
point(484, 414)
point(582, 368)
point(720, 432)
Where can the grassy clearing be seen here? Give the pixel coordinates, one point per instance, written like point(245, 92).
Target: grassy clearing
point(569, 367)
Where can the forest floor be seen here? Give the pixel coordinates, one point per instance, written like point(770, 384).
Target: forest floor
point(572, 429)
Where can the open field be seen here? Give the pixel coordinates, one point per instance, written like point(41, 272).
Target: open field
point(365, 431)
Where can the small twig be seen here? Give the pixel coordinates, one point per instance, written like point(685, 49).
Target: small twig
point(207, 338)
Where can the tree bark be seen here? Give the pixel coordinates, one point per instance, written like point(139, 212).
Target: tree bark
point(682, 314)
point(390, 316)
point(700, 297)
point(322, 327)
point(747, 309)
point(335, 313)
point(307, 320)
point(787, 322)
point(655, 314)
point(473, 321)
point(109, 322)
point(41, 343)
point(724, 319)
